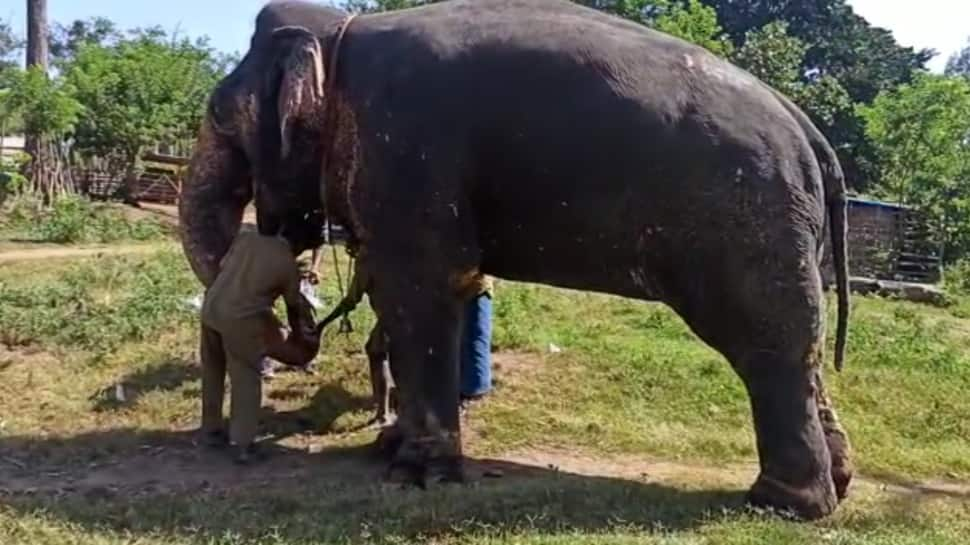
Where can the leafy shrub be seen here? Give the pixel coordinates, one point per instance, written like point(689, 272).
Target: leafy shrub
point(74, 219)
point(957, 277)
point(11, 180)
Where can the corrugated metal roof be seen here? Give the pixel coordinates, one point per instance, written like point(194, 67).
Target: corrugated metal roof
point(859, 201)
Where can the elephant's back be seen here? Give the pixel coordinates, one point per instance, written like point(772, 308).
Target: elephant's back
point(554, 45)
point(547, 86)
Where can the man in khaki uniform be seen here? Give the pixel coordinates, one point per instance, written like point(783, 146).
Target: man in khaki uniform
point(239, 330)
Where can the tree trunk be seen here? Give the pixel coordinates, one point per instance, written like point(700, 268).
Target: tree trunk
point(41, 172)
point(37, 39)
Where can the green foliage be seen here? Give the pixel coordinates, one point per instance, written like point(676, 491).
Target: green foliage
point(10, 44)
point(864, 60)
point(46, 105)
point(921, 133)
point(956, 277)
point(85, 309)
point(73, 219)
point(11, 179)
point(776, 57)
point(692, 21)
point(139, 92)
point(959, 63)
point(66, 41)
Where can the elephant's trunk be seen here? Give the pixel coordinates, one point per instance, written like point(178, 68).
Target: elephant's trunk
point(214, 195)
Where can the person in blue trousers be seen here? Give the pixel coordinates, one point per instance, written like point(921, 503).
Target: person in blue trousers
point(476, 344)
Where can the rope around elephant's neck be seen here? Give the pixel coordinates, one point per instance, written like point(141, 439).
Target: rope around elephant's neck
point(335, 50)
point(345, 325)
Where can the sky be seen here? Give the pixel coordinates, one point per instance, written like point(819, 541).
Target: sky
point(943, 25)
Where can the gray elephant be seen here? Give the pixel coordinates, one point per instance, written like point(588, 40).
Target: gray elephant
point(541, 141)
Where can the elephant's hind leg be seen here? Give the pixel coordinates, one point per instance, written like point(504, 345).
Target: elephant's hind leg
point(796, 471)
point(767, 321)
point(836, 439)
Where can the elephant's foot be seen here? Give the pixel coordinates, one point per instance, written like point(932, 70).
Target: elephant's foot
point(389, 441)
point(424, 460)
point(839, 451)
point(809, 502)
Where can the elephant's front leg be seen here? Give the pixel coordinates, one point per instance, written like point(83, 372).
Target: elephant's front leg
point(422, 318)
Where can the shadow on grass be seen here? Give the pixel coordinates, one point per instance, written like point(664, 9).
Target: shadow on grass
point(163, 484)
point(165, 376)
point(329, 403)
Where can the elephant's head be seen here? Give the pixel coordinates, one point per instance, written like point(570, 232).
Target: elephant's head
point(261, 137)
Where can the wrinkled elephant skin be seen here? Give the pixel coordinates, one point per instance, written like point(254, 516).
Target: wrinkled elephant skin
point(541, 141)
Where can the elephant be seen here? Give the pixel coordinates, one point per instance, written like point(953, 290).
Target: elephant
point(545, 142)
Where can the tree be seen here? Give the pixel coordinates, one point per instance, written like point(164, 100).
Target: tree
point(959, 63)
point(67, 40)
point(774, 56)
point(687, 19)
point(137, 93)
point(692, 21)
point(43, 170)
point(47, 109)
point(863, 59)
point(921, 134)
point(37, 38)
point(10, 44)
point(777, 58)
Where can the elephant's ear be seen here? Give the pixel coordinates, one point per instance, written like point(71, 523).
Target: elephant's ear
point(301, 85)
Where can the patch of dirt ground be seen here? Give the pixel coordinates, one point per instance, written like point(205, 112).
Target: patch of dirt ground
point(169, 461)
point(184, 466)
point(31, 253)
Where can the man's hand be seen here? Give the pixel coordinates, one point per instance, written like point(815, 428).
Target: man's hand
point(300, 316)
point(311, 276)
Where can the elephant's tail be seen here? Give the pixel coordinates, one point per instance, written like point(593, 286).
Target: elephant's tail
point(835, 201)
point(833, 181)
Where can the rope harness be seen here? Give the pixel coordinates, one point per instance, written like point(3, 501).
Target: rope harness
point(346, 327)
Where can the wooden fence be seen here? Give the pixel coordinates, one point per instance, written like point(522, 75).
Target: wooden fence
point(160, 182)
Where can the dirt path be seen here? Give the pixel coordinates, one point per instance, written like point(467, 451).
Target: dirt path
point(28, 253)
point(181, 465)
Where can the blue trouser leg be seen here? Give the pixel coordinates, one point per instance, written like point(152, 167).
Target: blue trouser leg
point(476, 347)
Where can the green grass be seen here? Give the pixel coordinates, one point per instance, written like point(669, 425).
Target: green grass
point(631, 383)
point(545, 509)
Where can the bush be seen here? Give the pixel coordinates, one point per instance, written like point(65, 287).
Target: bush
point(75, 219)
point(11, 180)
point(956, 277)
